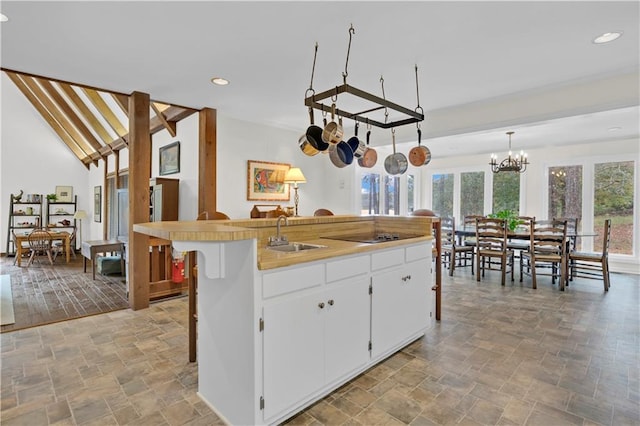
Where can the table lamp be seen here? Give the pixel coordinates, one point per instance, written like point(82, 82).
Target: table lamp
point(294, 176)
point(79, 215)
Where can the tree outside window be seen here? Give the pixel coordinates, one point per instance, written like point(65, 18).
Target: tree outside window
point(442, 194)
point(370, 194)
point(613, 199)
point(506, 191)
point(471, 193)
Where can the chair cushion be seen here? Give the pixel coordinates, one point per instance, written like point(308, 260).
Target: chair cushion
point(108, 265)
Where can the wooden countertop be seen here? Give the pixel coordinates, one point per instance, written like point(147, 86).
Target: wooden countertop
point(299, 229)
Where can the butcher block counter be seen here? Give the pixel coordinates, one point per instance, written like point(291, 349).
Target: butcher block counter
point(278, 331)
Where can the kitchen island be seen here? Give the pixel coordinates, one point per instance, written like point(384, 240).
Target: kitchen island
point(280, 330)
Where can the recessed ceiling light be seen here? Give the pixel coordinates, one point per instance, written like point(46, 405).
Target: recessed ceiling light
point(220, 81)
point(614, 129)
point(607, 37)
point(3, 17)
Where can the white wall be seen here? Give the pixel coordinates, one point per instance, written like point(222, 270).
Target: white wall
point(33, 158)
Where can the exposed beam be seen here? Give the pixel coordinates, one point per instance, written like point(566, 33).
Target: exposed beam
point(169, 125)
point(122, 101)
point(140, 172)
point(93, 121)
point(89, 138)
point(172, 113)
point(207, 161)
point(57, 128)
point(106, 112)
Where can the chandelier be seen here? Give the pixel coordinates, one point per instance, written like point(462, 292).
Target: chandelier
point(517, 163)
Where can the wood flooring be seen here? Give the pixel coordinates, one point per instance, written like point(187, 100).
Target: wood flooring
point(44, 293)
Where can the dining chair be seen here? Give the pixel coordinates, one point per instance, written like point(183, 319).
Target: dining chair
point(58, 247)
point(593, 265)
point(323, 212)
point(547, 252)
point(39, 244)
point(491, 247)
point(453, 254)
point(26, 249)
point(520, 245)
point(469, 224)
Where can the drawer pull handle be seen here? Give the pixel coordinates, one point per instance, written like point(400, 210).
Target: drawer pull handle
point(330, 302)
point(321, 305)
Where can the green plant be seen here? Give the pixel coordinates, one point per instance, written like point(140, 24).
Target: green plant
point(510, 216)
point(52, 197)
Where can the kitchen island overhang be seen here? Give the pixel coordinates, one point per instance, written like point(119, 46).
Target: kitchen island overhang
point(278, 331)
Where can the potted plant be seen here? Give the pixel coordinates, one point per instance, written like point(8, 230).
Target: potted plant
point(510, 217)
point(52, 197)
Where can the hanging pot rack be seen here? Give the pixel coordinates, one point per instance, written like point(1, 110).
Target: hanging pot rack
point(314, 100)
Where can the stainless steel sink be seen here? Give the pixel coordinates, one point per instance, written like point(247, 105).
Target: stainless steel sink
point(295, 247)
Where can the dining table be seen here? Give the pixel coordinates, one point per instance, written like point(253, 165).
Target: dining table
point(63, 236)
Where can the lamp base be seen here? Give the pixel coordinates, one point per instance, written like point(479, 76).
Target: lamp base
point(296, 198)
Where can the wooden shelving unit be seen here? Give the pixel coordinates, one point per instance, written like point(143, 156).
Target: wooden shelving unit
point(58, 211)
point(24, 216)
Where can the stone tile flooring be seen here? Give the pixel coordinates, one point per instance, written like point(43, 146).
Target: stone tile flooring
point(500, 356)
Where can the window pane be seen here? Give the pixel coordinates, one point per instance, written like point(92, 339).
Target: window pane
point(471, 193)
point(442, 194)
point(506, 191)
point(565, 192)
point(613, 199)
point(411, 197)
point(391, 195)
point(370, 190)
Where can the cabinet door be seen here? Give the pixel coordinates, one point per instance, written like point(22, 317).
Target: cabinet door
point(293, 346)
point(387, 310)
point(347, 327)
point(418, 295)
point(400, 304)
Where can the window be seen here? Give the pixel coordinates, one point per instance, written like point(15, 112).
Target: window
point(370, 194)
point(411, 193)
point(506, 191)
point(112, 207)
point(442, 194)
point(613, 189)
point(471, 193)
point(391, 195)
point(565, 192)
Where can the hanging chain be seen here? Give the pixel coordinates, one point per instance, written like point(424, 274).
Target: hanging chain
point(386, 112)
point(352, 31)
point(418, 108)
point(313, 70)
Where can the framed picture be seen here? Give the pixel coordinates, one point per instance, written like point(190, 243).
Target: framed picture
point(64, 194)
point(97, 203)
point(170, 159)
point(265, 181)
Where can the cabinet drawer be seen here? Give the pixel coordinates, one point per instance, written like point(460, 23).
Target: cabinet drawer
point(417, 252)
point(299, 278)
point(387, 258)
point(345, 268)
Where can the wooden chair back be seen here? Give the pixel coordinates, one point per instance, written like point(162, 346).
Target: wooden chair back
point(491, 234)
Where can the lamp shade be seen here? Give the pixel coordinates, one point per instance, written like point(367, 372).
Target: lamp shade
point(80, 214)
point(294, 175)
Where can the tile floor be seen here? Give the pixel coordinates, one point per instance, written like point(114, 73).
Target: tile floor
point(500, 356)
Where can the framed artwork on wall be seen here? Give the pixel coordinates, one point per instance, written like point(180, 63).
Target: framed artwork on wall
point(170, 159)
point(64, 194)
point(97, 203)
point(265, 181)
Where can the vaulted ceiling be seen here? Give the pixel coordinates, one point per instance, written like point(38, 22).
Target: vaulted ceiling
point(92, 123)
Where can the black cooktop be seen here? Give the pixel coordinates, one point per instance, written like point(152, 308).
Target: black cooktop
point(373, 238)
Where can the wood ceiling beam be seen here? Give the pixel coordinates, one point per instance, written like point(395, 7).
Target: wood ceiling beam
point(122, 101)
point(89, 138)
point(87, 114)
point(106, 112)
point(169, 125)
point(57, 128)
point(60, 117)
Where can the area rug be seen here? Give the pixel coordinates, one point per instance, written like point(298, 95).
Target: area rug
point(6, 301)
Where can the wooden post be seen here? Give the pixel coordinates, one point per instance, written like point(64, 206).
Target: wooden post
point(139, 174)
point(207, 161)
point(438, 286)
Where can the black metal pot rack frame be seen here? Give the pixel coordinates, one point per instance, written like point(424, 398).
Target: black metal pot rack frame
point(314, 101)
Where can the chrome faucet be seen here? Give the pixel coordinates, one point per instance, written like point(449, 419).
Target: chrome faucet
point(279, 240)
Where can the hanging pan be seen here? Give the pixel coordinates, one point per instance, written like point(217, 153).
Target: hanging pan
point(332, 132)
point(419, 155)
point(396, 163)
point(370, 156)
point(357, 146)
point(311, 142)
